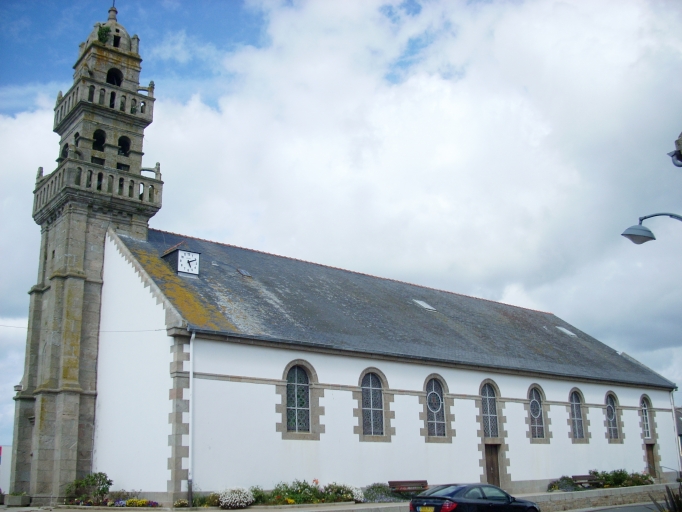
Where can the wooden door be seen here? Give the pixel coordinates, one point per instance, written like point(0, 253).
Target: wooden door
point(651, 465)
point(492, 468)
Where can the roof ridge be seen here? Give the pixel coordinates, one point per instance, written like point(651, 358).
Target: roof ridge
point(349, 271)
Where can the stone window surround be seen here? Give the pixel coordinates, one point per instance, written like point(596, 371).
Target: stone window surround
point(316, 410)
point(619, 419)
point(503, 460)
point(448, 404)
point(387, 399)
point(586, 422)
point(546, 421)
point(653, 440)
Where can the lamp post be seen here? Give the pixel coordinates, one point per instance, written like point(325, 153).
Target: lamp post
point(677, 154)
point(639, 234)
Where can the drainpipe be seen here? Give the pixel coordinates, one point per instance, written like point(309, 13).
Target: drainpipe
point(190, 470)
point(677, 436)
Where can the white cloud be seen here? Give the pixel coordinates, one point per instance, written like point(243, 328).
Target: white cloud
point(504, 161)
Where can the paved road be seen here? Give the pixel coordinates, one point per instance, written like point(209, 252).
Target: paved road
point(641, 507)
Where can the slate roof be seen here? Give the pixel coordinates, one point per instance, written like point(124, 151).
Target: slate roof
point(292, 301)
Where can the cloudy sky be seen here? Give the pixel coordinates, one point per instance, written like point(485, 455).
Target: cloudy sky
point(492, 148)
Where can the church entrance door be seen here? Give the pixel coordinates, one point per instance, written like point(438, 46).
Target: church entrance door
point(492, 469)
point(650, 464)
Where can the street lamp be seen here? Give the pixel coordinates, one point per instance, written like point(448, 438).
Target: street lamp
point(639, 234)
point(677, 154)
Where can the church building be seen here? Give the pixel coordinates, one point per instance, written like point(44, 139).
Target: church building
point(165, 360)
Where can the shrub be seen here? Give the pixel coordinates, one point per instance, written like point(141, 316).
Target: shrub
point(299, 491)
point(381, 493)
point(213, 500)
point(235, 498)
point(103, 33)
point(337, 492)
point(260, 497)
point(620, 478)
point(181, 503)
point(95, 486)
point(123, 495)
point(565, 483)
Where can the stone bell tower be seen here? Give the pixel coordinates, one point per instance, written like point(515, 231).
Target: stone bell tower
point(98, 183)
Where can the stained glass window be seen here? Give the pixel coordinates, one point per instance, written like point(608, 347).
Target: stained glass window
point(298, 400)
point(611, 419)
point(372, 406)
point(435, 409)
point(537, 425)
point(577, 416)
point(645, 419)
point(489, 411)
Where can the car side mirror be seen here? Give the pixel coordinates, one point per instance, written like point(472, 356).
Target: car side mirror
point(512, 499)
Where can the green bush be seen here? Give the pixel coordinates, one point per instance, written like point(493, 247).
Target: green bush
point(620, 478)
point(259, 495)
point(94, 486)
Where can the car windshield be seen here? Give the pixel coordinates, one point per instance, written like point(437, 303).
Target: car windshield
point(442, 490)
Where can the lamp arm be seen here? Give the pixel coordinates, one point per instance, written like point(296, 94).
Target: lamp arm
point(671, 215)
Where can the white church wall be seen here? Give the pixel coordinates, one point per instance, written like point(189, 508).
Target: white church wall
point(133, 381)
point(236, 442)
point(5, 467)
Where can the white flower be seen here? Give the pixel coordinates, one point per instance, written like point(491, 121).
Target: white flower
point(237, 497)
point(358, 495)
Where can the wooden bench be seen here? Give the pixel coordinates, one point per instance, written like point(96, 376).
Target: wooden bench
point(585, 480)
point(408, 485)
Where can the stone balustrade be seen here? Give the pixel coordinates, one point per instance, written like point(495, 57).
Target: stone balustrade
point(124, 100)
point(95, 178)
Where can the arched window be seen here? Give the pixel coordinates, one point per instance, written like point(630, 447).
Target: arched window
point(100, 178)
point(123, 146)
point(298, 400)
point(489, 406)
point(611, 417)
point(79, 174)
point(133, 107)
point(143, 106)
point(151, 193)
point(645, 419)
point(577, 416)
point(76, 138)
point(122, 104)
point(102, 92)
point(114, 77)
point(131, 188)
point(65, 151)
point(372, 406)
point(537, 425)
point(88, 182)
point(141, 190)
point(112, 100)
point(110, 184)
point(121, 184)
point(98, 140)
point(435, 408)
point(91, 93)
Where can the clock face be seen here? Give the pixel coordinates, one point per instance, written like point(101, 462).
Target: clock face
point(188, 262)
